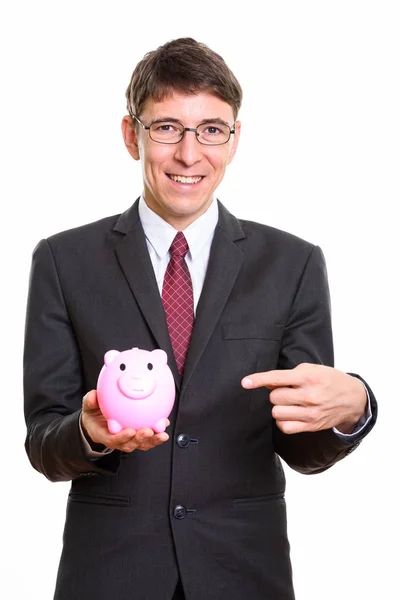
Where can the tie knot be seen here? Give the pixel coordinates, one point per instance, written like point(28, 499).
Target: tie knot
point(179, 246)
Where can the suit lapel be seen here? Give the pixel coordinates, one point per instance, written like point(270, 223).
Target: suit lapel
point(223, 267)
point(135, 262)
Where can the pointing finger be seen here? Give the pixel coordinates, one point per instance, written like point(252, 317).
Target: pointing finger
point(273, 379)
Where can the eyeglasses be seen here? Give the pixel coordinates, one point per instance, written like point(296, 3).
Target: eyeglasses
point(209, 133)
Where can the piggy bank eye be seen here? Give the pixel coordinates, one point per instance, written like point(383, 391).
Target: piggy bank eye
point(122, 367)
point(149, 366)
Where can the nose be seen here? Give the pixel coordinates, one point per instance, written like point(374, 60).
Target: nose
point(188, 150)
point(137, 375)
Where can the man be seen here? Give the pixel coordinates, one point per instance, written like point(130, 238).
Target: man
point(201, 515)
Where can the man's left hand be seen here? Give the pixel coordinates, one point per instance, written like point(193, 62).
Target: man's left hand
point(312, 397)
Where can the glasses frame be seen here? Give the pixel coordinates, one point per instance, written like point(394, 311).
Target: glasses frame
point(232, 131)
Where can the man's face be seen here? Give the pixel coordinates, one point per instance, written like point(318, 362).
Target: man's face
point(180, 203)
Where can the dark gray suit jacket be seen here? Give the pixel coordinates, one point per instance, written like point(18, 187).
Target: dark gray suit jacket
point(210, 502)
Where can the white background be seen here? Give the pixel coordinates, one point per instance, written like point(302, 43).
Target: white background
point(319, 156)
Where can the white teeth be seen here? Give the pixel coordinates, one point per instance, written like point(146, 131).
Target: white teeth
point(182, 179)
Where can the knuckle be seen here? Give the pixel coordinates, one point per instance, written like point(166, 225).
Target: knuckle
point(278, 395)
point(286, 426)
point(313, 398)
point(310, 378)
point(315, 415)
point(302, 366)
point(273, 396)
point(128, 446)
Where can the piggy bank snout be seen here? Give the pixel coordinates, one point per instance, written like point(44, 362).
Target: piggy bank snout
point(136, 384)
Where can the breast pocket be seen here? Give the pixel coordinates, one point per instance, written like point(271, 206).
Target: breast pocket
point(253, 346)
point(257, 331)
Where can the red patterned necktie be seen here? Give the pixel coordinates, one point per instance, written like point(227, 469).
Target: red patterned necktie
point(177, 297)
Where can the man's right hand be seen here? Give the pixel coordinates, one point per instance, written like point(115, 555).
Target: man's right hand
point(94, 426)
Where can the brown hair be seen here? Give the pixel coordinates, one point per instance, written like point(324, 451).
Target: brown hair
point(186, 66)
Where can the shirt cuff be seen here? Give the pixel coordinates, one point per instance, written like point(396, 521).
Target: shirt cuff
point(362, 423)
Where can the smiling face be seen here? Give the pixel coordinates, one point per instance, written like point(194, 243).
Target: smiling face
point(180, 179)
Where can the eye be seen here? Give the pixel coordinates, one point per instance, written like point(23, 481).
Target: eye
point(122, 367)
point(213, 133)
point(212, 130)
point(165, 127)
point(150, 366)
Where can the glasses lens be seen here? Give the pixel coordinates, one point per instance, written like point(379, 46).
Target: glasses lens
point(166, 132)
point(213, 134)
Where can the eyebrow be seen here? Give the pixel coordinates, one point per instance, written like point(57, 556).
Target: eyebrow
point(216, 120)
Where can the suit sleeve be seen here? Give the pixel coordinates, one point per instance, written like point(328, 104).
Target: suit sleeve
point(53, 380)
point(308, 338)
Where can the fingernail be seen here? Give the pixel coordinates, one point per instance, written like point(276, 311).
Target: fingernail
point(247, 382)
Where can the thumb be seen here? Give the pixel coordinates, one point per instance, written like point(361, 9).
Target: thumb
point(90, 401)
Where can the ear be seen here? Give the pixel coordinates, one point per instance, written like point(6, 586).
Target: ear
point(236, 136)
point(109, 356)
point(161, 356)
point(130, 137)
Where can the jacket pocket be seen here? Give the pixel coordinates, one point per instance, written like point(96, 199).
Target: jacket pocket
point(245, 331)
point(103, 499)
point(258, 501)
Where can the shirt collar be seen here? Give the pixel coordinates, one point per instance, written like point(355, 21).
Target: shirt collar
point(160, 234)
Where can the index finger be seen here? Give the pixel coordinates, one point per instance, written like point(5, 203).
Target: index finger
point(273, 379)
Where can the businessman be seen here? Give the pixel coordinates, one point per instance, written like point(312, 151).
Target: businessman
point(242, 310)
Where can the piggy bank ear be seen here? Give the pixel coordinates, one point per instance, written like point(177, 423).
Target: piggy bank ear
point(109, 356)
point(160, 356)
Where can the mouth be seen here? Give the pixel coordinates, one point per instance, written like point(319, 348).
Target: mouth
point(185, 179)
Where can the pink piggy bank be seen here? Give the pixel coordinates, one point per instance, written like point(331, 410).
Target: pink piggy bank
point(136, 389)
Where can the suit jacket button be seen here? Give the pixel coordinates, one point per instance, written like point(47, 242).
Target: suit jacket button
point(183, 440)
point(179, 512)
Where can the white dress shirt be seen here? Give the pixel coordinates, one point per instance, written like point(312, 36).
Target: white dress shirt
point(199, 236)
